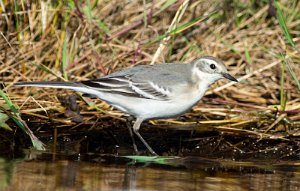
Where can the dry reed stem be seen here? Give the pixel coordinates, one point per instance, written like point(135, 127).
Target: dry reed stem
point(173, 25)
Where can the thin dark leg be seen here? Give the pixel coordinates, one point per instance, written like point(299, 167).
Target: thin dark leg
point(136, 128)
point(128, 123)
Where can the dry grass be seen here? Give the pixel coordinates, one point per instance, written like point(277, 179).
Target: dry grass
point(61, 42)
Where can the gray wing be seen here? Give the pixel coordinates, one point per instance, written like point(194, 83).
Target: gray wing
point(149, 81)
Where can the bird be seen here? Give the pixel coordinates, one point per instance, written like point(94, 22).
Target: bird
point(147, 92)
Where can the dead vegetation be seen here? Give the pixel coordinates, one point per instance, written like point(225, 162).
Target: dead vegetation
point(81, 40)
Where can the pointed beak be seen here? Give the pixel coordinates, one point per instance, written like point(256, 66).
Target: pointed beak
point(229, 77)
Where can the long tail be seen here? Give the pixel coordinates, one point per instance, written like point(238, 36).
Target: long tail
point(64, 85)
point(76, 86)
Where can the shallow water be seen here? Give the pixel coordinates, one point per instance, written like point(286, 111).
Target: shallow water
point(212, 161)
point(47, 171)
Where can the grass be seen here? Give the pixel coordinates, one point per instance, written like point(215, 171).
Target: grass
point(80, 40)
point(13, 113)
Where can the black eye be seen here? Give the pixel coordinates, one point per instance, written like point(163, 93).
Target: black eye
point(212, 66)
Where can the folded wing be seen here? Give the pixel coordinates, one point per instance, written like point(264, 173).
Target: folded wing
point(127, 86)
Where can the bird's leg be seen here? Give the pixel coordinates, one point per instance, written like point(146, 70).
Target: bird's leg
point(136, 128)
point(129, 125)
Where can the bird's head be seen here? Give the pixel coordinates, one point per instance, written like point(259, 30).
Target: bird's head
point(210, 69)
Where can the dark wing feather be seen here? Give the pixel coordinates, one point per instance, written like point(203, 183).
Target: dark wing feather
point(123, 85)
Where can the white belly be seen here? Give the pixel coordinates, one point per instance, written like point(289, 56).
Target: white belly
point(143, 108)
point(154, 109)
point(149, 109)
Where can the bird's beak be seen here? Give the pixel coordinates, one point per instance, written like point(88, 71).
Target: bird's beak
point(229, 77)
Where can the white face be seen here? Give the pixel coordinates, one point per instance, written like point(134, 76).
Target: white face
point(210, 69)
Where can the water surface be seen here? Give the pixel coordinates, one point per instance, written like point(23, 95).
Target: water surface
point(46, 171)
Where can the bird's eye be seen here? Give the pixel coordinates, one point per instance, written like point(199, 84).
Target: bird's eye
point(212, 66)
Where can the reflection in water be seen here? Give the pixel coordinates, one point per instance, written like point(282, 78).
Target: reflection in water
point(114, 175)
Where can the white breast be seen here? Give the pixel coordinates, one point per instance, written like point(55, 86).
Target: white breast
point(158, 109)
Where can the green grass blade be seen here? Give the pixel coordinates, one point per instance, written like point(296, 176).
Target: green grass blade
point(285, 30)
point(15, 116)
point(8, 102)
point(87, 10)
point(3, 118)
point(48, 70)
point(282, 24)
point(71, 4)
point(104, 27)
point(294, 76)
point(191, 23)
point(152, 159)
point(247, 55)
point(182, 28)
point(37, 144)
point(65, 58)
point(167, 4)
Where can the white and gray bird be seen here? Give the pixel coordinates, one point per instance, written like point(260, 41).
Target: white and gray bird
point(151, 91)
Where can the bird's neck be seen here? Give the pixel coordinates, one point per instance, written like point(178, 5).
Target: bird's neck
point(202, 79)
point(202, 88)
